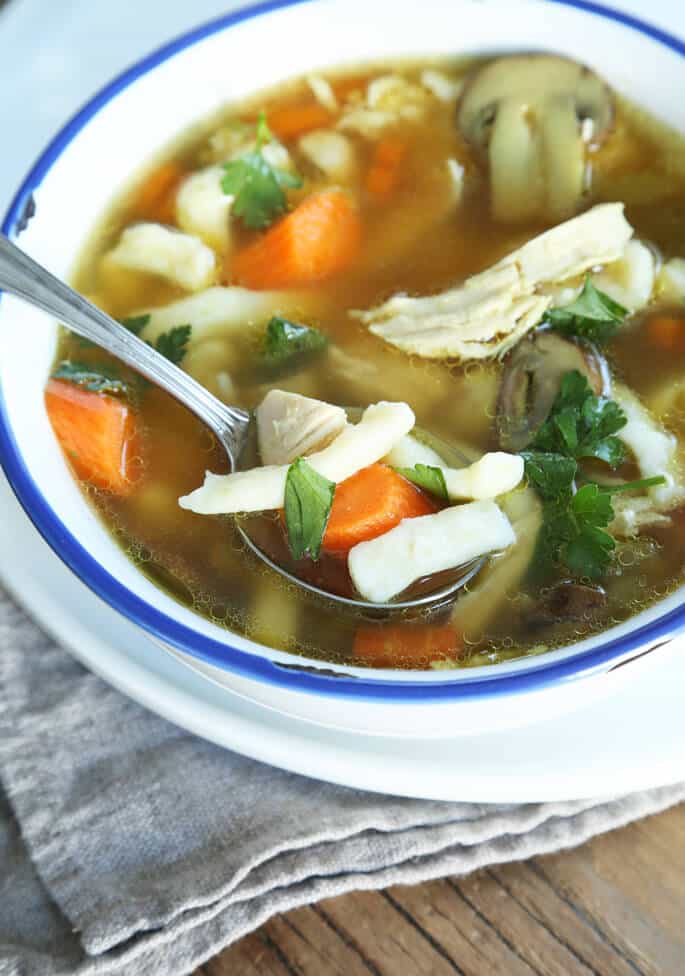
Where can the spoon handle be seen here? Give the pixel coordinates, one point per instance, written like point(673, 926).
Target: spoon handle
point(20, 275)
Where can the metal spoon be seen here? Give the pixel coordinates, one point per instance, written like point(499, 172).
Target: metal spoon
point(20, 275)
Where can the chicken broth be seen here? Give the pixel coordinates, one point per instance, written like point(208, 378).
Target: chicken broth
point(423, 197)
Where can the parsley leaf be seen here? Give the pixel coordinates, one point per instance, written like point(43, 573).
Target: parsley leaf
point(286, 343)
point(174, 343)
point(581, 424)
point(257, 186)
point(552, 475)
point(592, 316)
point(135, 323)
point(96, 379)
point(428, 477)
point(308, 501)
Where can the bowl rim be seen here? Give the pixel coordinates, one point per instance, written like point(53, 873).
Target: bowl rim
point(303, 678)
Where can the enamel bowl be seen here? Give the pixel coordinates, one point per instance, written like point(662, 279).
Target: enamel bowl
point(132, 119)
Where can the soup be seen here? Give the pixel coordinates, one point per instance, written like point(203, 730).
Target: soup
point(478, 261)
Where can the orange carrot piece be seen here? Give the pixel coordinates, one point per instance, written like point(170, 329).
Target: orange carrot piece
point(385, 171)
point(405, 645)
point(157, 197)
point(97, 432)
point(318, 239)
point(294, 121)
point(667, 332)
point(372, 502)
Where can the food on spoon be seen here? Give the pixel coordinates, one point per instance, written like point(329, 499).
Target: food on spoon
point(260, 489)
point(532, 116)
point(383, 567)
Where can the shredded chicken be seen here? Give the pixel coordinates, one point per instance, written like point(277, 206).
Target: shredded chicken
point(487, 314)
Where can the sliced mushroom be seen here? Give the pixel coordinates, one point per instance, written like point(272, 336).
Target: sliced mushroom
point(531, 117)
point(567, 601)
point(532, 378)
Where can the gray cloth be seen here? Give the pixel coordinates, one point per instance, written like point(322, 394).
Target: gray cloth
point(128, 845)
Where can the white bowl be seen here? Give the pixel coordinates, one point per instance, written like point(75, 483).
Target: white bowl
point(132, 119)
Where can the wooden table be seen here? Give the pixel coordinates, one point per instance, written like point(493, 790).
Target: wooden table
point(614, 907)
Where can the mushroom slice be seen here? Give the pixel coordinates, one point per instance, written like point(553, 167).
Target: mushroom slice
point(532, 378)
point(566, 601)
point(530, 116)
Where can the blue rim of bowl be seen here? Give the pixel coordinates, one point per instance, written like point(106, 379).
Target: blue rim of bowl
point(166, 629)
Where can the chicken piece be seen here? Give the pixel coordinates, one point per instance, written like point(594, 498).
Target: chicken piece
point(598, 236)
point(261, 489)
point(633, 514)
point(203, 209)
point(291, 426)
point(385, 566)
point(486, 315)
point(180, 258)
point(655, 449)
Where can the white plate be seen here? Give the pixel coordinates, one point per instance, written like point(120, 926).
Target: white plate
point(634, 740)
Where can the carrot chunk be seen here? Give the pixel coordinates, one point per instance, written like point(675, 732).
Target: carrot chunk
point(156, 199)
point(372, 502)
point(667, 332)
point(385, 171)
point(97, 432)
point(318, 239)
point(405, 645)
point(294, 121)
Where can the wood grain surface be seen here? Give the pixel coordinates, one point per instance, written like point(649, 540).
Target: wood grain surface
point(613, 907)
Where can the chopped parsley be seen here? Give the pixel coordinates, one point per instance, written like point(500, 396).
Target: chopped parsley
point(96, 379)
point(135, 323)
point(592, 316)
point(258, 187)
point(308, 501)
point(428, 477)
point(581, 424)
point(287, 343)
point(174, 343)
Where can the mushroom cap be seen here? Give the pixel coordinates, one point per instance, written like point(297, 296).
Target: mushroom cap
point(532, 79)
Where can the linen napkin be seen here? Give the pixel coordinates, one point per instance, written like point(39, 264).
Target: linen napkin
point(128, 845)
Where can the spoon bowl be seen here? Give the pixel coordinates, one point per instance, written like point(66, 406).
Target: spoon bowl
point(20, 275)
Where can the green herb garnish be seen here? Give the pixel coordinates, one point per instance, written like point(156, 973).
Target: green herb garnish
point(135, 323)
point(581, 424)
point(592, 316)
point(257, 186)
point(308, 501)
point(286, 343)
point(573, 533)
point(174, 343)
point(96, 379)
point(428, 477)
